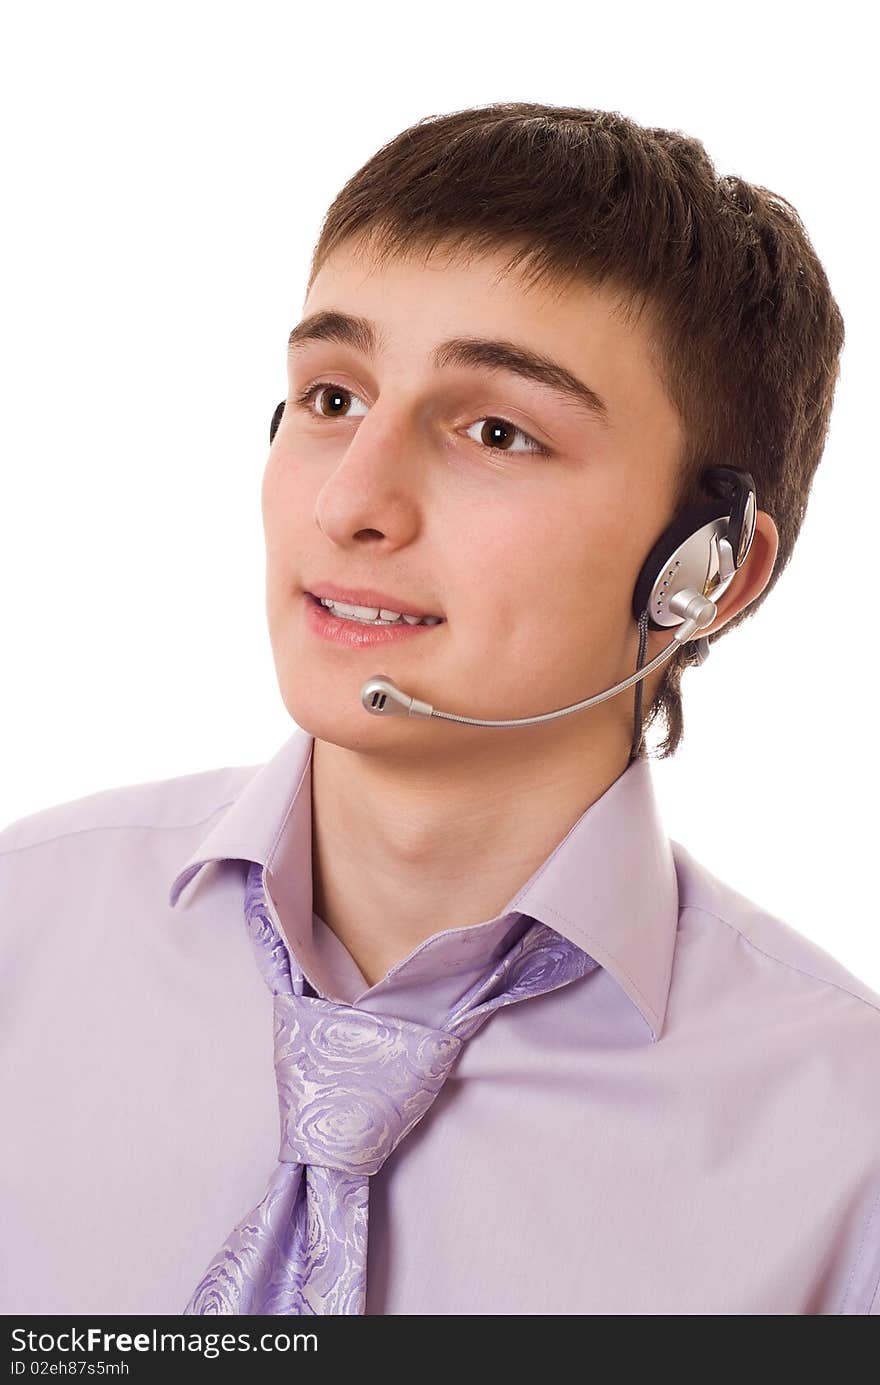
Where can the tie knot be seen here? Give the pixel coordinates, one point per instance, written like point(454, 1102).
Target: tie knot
point(351, 1084)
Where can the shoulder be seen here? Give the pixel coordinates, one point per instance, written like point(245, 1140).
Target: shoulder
point(88, 878)
point(795, 1032)
point(711, 905)
point(773, 996)
point(154, 805)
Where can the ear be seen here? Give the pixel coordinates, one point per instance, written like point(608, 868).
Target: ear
point(754, 574)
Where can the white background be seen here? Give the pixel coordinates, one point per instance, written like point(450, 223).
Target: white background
point(166, 168)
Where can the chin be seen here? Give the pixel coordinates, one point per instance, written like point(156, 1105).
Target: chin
point(341, 720)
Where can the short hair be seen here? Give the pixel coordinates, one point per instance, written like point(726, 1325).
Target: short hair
point(744, 331)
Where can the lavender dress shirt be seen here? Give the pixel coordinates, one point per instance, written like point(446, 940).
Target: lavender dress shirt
point(693, 1127)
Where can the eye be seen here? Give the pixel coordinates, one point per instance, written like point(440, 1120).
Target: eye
point(496, 428)
point(492, 430)
point(334, 394)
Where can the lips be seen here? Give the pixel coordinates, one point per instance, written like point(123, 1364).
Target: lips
point(360, 635)
point(369, 597)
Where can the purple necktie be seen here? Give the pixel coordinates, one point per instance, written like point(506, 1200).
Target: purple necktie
point(351, 1085)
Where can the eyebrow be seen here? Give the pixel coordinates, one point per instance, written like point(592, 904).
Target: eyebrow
point(363, 335)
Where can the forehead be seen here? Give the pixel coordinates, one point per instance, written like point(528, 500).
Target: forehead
point(469, 291)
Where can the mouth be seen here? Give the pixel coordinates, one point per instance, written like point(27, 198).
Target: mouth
point(375, 616)
point(357, 633)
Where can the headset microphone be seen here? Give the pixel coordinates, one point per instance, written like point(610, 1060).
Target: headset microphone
point(383, 698)
point(693, 561)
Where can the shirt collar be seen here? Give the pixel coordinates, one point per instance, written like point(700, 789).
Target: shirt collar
point(610, 885)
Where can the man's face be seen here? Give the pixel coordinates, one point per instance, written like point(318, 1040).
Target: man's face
point(425, 483)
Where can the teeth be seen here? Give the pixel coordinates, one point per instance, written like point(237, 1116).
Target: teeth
point(360, 612)
point(373, 615)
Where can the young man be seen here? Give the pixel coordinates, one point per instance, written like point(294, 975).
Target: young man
point(530, 1056)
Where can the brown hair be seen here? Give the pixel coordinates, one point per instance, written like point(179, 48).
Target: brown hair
point(745, 332)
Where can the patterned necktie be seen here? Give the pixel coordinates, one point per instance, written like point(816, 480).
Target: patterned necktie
point(351, 1085)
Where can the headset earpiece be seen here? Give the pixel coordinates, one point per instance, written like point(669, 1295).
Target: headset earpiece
point(701, 550)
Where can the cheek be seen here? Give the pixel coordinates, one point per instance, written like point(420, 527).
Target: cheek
point(558, 569)
point(278, 476)
point(282, 504)
point(514, 566)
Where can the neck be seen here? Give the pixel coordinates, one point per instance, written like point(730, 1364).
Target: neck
point(408, 845)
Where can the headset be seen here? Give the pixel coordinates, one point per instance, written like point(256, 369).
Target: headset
point(692, 563)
